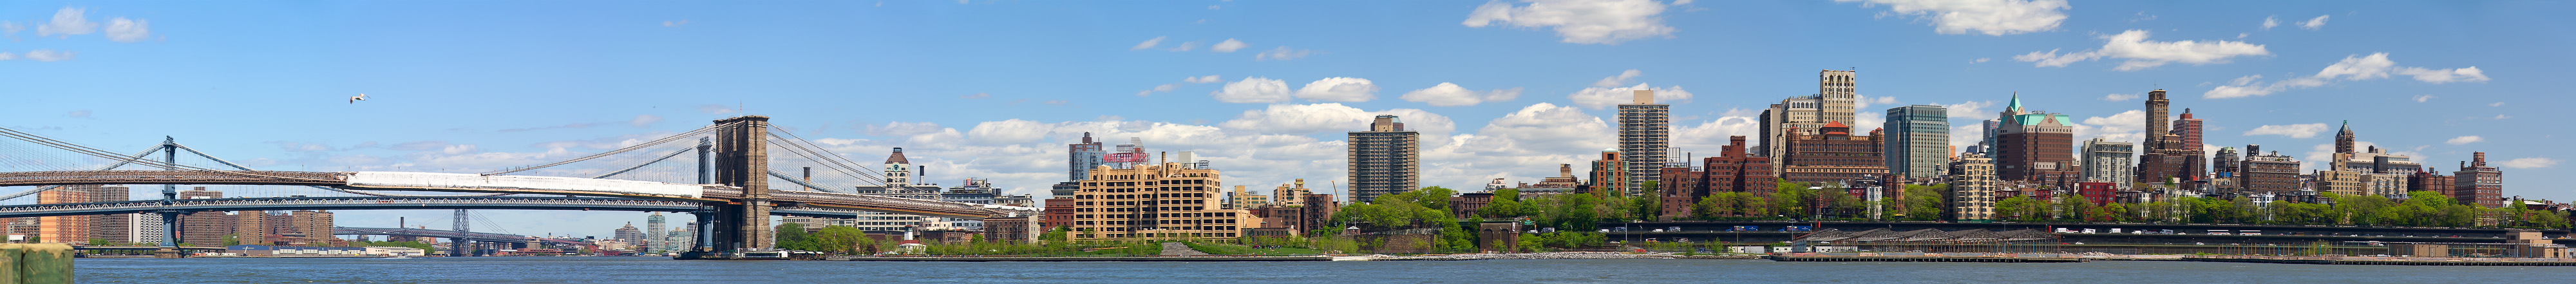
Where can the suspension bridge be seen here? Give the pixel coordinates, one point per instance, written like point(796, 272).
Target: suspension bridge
point(731, 193)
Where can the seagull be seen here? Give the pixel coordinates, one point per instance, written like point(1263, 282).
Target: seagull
point(360, 97)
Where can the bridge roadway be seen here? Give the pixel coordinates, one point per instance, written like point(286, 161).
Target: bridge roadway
point(470, 236)
point(385, 203)
point(472, 183)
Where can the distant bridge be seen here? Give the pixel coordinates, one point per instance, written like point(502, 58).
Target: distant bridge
point(469, 236)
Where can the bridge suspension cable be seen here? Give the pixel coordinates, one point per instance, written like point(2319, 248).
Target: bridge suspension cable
point(801, 147)
point(104, 154)
point(691, 133)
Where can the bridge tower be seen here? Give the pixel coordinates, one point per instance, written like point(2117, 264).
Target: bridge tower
point(742, 160)
point(460, 246)
point(169, 194)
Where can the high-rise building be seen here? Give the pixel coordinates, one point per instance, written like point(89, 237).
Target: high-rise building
point(2225, 171)
point(1290, 195)
point(2346, 183)
point(1782, 119)
point(1840, 93)
point(2272, 173)
point(68, 229)
point(114, 228)
point(2158, 109)
point(205, 227)
point(1645, 132)
point(1386, 159)
point(1833, 155)
point(2431, 179)
point(2035, 146)
point(1080, 158)
point(255, 228)
point(1918, 140)
point(2106, 161)
point(1246, 200)
point(1735, 169)
point(315, 226)
point(655, 233)
point(629, 234)
point(2477, 183)
point(1610, 174)
point(1972, 187)
point(1169, 200)
point(2382, 167)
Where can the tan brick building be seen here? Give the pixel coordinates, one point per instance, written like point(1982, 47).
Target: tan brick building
point(1166, 201)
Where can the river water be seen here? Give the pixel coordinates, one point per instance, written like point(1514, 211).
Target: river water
point(663, 270)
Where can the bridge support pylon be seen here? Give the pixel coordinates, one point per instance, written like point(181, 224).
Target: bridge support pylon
point(741, 160)
point(169, 236)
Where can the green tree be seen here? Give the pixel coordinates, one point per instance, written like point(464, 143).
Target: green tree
point(793, 236)
point(232, 239)
point(840, 239)
point(1926, 202)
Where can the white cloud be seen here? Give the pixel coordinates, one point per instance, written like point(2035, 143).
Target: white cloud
point(1229, 45)
point(67, 21)
point(903, 129)
point(2269, 22)
point(1974, 110)
point(1863, 102)
point(1339, 89)
point(2502, 117)
point(2243, 35)
point(128, 30)
point(8, 56)
point(2423, 98)
point(2496, 104)
point(1545, 127)
point(1980, 60)
point(1283, 53)
point(2313, 24)
point(49, 55)
point(2529, 163)
point(1618, 80)
point(2299, 131)
point(1710, 136)
point(1447, 94)
point(1150, 43)
point(1991, 17)
point(1202, 79)
point(1305, 119)
point(2122, 127)
point(1254, 90)
point(1579, 21)
point(2119, 97)
point(975, 96)
point(2465, 140)
point(2352, 68)
point(2142, 54)
point(1186, 46)
point(675, 24)
point(1158, 89)
point(1598, 97)
point(1266, 90)
point(644, 120)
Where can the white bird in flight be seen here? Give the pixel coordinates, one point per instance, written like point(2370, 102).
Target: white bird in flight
point(360, 97)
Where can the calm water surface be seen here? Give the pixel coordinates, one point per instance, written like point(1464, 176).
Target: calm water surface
point(663, 270)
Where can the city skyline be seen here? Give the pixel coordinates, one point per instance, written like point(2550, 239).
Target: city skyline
point(994, 90)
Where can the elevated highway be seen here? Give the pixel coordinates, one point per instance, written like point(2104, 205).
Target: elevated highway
point(385, 203)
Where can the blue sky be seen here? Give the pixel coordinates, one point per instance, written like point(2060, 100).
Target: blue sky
point(1264, 89)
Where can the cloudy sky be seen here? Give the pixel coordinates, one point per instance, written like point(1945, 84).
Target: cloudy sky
point(1263, 89)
